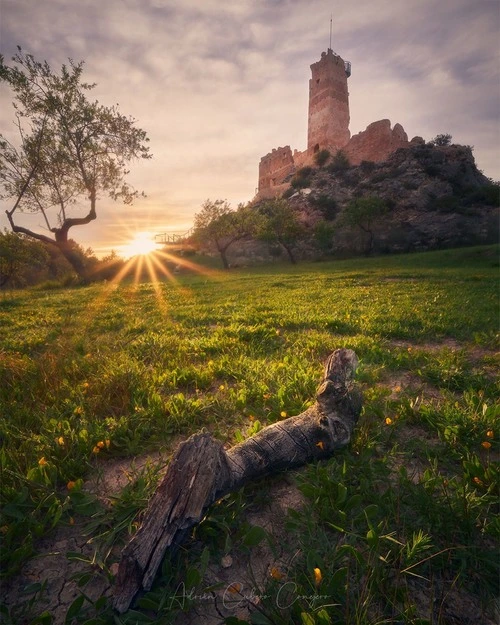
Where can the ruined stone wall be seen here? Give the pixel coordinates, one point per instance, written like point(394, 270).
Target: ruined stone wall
point(375, 143)
point(275, 167)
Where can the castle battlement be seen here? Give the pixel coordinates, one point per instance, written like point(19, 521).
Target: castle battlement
point(328, 129)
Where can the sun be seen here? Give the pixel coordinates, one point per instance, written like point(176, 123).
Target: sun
point(142, 244)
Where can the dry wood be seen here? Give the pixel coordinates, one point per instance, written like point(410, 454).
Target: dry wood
point(202, 471)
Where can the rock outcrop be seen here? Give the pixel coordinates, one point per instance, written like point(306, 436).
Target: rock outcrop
point(435, 197)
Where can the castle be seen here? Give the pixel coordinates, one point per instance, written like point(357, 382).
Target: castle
point(328, 129)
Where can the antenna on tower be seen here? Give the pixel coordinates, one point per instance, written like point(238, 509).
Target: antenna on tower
point(331, 20)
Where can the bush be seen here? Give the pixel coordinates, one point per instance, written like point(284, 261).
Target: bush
point(327, 205)
point(340, 162)
point(489, 195)
point(367, 166)
point(321, 157)
point(441, 140)
point(444, 204)
point(302, 178)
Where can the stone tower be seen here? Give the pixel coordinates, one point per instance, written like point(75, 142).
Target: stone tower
point(328, 124)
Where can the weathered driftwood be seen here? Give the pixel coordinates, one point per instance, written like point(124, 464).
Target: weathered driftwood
point(202, 471)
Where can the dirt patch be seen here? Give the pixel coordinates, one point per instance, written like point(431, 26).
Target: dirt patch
point(241, 579)
point(53, 570)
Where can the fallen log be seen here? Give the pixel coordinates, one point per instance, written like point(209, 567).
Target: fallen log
point(202, 471)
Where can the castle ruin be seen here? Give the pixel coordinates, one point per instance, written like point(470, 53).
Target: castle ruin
point(328, 129)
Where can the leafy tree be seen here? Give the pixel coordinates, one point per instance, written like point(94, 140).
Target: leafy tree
point(19, 255)
point(363, 212)
point(280, 225)
point(70, 151)
point(219, 225)
point(441, 140)
point(323, 236)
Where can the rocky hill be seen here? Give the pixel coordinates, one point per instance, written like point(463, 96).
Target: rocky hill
point(435, 197)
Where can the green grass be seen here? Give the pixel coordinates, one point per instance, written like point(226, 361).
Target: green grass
point(93, 373)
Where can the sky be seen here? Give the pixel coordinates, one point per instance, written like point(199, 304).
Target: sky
point(216, 85)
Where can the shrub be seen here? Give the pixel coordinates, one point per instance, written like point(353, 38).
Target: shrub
point(367, 166)
point(340, 162)
point(489, 195)
point(327, 205)
point(444, 204)
point(321, 157)
point(302, 178)
point(441, 140)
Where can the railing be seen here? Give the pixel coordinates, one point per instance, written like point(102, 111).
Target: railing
point(166, 238)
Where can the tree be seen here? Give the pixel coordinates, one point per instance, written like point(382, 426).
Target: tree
point(363, 212)
point(219, 225)
point(441, 140)
point(323, 236)
point(280, 224)
point(18, 255)
point(69, 152)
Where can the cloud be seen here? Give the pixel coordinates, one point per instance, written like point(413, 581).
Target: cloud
point(217, 86)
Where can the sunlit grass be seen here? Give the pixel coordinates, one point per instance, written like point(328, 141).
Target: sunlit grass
point(91, 373)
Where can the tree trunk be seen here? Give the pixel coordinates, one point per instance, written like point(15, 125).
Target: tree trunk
point(74, 258)
point(201, 471)
point(289, 251)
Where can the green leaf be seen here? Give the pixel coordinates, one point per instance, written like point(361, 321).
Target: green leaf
point(74, 609)
point(307, 619)
point(323, 618)
point(193, 577)
point(254, 536)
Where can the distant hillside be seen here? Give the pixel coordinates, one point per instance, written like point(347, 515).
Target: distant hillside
point(435, 198)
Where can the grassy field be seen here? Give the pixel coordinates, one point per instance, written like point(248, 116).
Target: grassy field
point(400, 527)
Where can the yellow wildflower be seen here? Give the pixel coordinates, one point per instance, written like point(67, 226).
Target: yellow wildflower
point(60, 440)
point(42, 462)
point(78, 410)
point(476, 480)
point(96, 450)
point(490, 434)
point(275, 573)
point(70, 485)
point(486, 444)
point(278, 332)
point(267, 396)
point(251, 417)
point(317, 576)
point(107, 442)
point(101, 445)
point(221, 387)
point(388, 420)
point(283, 414)
point(321, 445)
point(85, 385)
